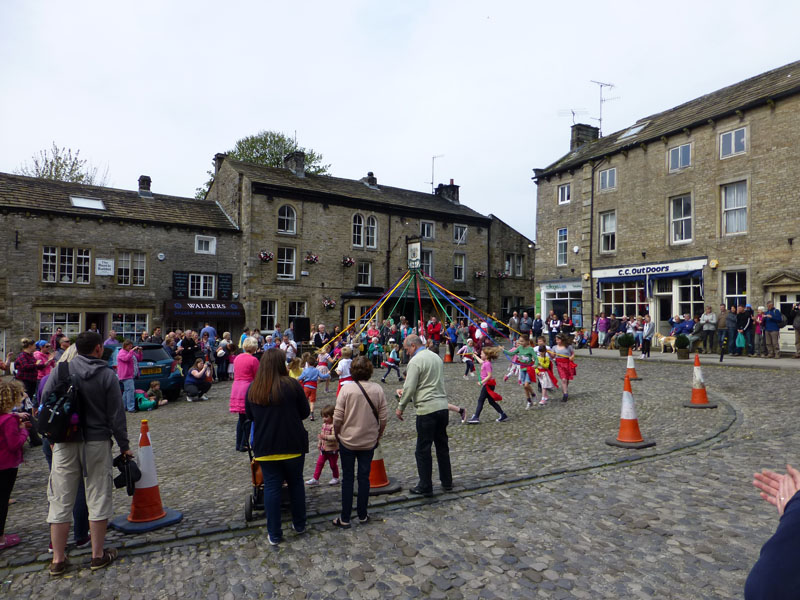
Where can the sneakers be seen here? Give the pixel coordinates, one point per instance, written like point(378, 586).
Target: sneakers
point(190, 399)
point(501, 418)
point(383, 380)
point(505, 377)
point(463, 414)
point(273, 541)
point(203, 397)
point(543, 402)
point(298, 530)
point(472, 374)
point(473, 420)
point(109, 555)
point(528, 405)
point(82, 543)
point(466, 376)
point(333, 481)
point(312, 481)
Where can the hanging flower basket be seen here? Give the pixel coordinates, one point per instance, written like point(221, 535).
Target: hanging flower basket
point(348, 261)
point(265, 256)
point(328, 303)
point(502, 275)
point(312, 259)
point(480, 274)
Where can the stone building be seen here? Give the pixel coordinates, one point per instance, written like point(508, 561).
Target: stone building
point(689, 207)
point(74, 255)
point(311, 240)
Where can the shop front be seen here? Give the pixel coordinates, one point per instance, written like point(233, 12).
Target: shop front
point(127, 322)
point(188, 314)
point(661, 290)
point(562, 297)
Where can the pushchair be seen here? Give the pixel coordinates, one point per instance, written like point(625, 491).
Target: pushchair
point(255, 499)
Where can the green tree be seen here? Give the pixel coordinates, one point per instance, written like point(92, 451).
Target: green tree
point(268, 148)
point(63, 165)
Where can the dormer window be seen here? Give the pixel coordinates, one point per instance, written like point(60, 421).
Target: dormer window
point(93, 203)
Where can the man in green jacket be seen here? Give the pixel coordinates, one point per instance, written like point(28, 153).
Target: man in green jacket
point(424, 387)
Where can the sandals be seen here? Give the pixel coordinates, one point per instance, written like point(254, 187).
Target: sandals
point(337, 522)
point(12, 539)
point(109, 555)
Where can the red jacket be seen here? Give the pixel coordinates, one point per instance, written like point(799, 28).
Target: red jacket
point(435, 331)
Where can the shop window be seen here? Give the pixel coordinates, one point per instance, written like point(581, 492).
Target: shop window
point(608, 231)
point(681, 219)
point(735, 293)
point(131, 268)
point(129, 325)
point(70, 324)
point(269, 314)
point(285, 263)
point(202, 286)
point(66, 265)
point(623, 298)
point(287, 219)
point(690, 299)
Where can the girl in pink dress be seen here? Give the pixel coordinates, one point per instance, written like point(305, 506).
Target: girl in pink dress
point(245, 366)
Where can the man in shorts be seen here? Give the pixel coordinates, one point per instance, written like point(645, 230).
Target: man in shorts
point(102, 416)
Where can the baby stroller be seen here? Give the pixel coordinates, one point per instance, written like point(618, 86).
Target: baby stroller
point(255, 500)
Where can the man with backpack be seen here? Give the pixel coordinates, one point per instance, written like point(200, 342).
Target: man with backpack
point(100, 415)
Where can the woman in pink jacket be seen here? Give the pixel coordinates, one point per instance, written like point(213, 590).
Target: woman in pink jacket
point(13, 433)
point(126, 371)
point(245, 366)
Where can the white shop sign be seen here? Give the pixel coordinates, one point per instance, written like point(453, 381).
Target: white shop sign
point(651, 269)
point(561, 287)
point(104, 267)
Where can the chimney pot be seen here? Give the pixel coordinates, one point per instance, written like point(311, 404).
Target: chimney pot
point(448, 192)
point(296, 163)
point(144, 183)
point(219, 158)
point(370, 180)
point(451, 182)
point(582, 134)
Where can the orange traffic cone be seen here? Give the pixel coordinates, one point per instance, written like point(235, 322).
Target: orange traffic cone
point(629, 435)
point(379, 482)
point(447, 357)
point(699, 396)
point(630, 373)
point(147, 512)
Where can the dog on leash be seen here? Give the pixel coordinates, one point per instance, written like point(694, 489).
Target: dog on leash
point(664, 341)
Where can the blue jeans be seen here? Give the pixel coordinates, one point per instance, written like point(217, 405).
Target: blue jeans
point(637, 338)
point(241, 433)
point(275, 472)
point(732, 349)
point(349, 458)
point(721, 340)
point(80, 511)
point(748, 336)
point(129, 394)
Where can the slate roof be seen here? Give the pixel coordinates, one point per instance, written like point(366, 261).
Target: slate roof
point(352, 189)
point(772, 85)
point(18, 192)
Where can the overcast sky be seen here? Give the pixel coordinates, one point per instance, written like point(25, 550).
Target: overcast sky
point(158, 87)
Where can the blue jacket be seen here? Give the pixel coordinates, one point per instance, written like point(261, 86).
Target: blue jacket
point(775, 574)
point(772, 320)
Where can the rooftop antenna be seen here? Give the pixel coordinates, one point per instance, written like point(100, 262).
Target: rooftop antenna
point(575, 112)
point(433, 164)
point(602, 101)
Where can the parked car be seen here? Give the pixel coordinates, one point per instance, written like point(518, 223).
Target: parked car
point(156, 364)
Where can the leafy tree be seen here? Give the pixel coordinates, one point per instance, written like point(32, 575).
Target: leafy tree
point(62, 165)
point(268, 148)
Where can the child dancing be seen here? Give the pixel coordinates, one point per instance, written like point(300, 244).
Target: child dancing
point(308, 379)
point(467, 352)
point(392, 362)
point(487, 386)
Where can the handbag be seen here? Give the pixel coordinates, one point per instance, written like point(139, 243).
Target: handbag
point(371, 405)
point(740, 341)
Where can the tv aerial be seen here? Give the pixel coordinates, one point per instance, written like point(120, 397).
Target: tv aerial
point(575, 112)
point(603, 100)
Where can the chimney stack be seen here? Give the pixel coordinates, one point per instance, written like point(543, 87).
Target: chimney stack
point(448, 192)
point(370, 180)
point(296, 163)
point(144, 186)
point(582, 134)
point(219, 158)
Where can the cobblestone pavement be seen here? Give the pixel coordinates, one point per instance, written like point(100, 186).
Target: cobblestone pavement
point(542, 506)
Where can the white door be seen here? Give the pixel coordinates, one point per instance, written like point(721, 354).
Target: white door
point(785, 303)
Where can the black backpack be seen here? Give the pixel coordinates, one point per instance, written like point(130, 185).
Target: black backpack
point(59, 414)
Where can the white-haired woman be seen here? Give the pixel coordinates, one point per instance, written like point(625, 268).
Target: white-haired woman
point(245, 366)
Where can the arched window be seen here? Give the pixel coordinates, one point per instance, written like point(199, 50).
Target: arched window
point(287, 219)
point(358, 230)
point(372, 232)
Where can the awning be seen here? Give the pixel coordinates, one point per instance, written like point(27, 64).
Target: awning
point(187, 309)
point(650, 278)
